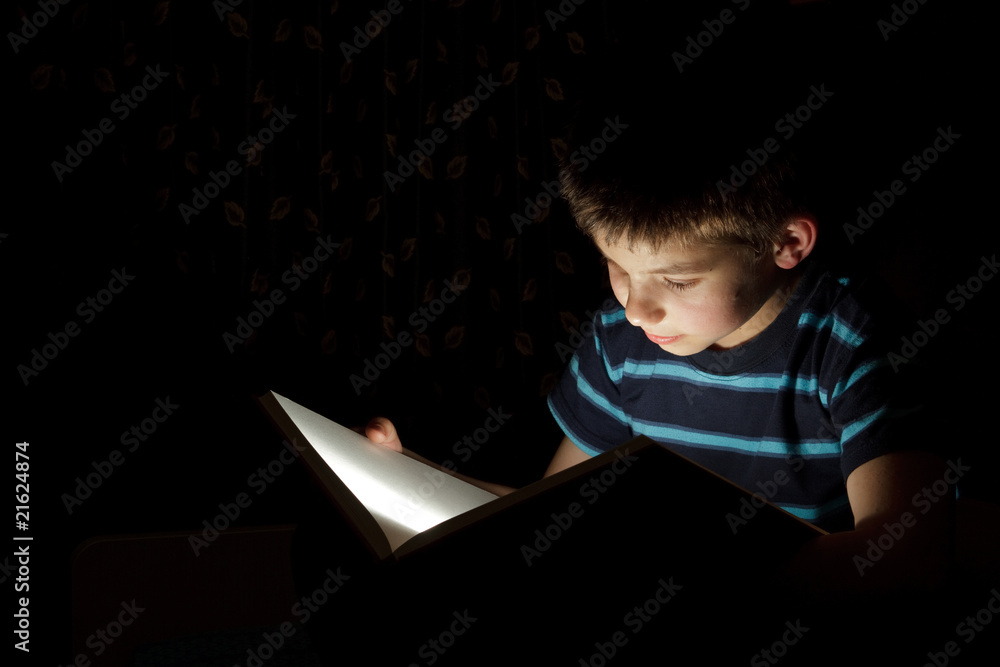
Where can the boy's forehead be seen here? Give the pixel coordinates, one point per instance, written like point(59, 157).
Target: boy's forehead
point(669, 257)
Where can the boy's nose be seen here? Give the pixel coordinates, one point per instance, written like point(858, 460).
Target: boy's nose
point(640, 310)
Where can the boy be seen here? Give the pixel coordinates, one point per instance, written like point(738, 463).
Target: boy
point(731, 347)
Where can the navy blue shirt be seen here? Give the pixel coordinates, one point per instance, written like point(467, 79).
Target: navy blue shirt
point(788, 415)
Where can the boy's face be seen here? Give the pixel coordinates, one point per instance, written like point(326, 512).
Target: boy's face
point(691, 299)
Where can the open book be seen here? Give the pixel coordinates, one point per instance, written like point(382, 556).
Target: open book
point(399, 505)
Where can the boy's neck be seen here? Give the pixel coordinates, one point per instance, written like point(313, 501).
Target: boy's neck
point(766, 314)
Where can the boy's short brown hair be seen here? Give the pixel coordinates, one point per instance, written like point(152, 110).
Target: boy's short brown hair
point(680, 176)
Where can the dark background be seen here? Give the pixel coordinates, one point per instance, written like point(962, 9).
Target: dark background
point(497, 346)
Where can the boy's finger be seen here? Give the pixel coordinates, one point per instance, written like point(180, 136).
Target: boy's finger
point(380, 430)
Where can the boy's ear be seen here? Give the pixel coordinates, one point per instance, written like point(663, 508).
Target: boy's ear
point(800, 239)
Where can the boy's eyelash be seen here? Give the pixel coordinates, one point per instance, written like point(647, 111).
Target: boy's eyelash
point(678, 286)
point(673, 284)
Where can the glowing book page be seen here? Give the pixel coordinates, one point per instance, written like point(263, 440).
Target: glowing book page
point(405, 496)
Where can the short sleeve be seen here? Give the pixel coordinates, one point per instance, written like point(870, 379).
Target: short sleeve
point(586, 402)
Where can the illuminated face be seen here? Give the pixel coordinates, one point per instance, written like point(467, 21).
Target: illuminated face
point(691, 299)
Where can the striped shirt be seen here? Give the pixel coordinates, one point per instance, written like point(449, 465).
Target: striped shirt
point(788, 415)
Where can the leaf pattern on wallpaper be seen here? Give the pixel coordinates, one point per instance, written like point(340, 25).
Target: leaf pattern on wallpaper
point(235, 215)
point(259, 283)
point(161, 11)
point(389, 264)
point(564, 262)
point(280, 208)
point(524, 343)
point(423, 345)
point(411, 69)
point(311, 221)
point(568, 321)
point(313, 38)
point(523, 167)
point(548, 383)
point(283, 31)
point(165, 137)
point(346, 246)
point(532, 35)
point(237, 25)
point(508, 248)
point(104, 80)
point(129, 54)
point(554, 90)
point(454, 337)
point(483, 228)
point(372, 209)
point(407, 248)
point(328, 345)
point(80, 16)
point(323, 175)
point(326, 163)
point(530, 290)
point(40, 77)
point(426, 168)
point(510, 73)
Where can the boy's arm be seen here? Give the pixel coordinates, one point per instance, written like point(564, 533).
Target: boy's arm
point(902, 539)
point(568, 454)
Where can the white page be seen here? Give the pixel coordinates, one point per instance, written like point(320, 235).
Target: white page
point(404, 496)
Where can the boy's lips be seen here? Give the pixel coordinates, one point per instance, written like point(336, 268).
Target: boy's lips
point(661, 340)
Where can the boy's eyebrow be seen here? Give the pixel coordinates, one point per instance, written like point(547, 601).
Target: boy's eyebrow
point(681, 268)
point(676, 268)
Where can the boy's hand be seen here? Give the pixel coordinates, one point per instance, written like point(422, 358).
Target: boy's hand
point(381, 431)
